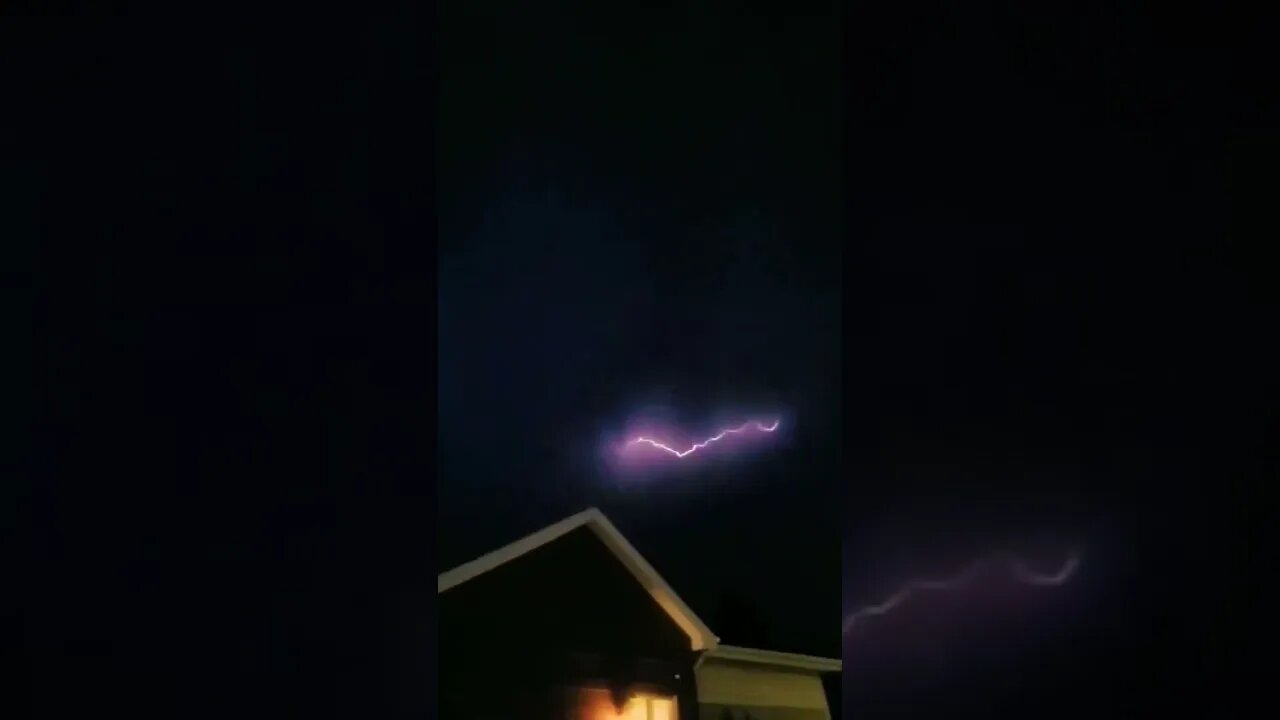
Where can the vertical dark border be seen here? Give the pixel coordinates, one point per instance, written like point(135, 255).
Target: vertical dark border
point(96, 627)
point(410, 329)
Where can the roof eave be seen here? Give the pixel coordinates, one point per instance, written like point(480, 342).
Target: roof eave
point(773, 658)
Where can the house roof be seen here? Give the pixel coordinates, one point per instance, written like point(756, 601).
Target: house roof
point(771, 658)
point(700, 636)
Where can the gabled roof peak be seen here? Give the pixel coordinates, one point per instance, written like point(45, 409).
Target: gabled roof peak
point(700, 636)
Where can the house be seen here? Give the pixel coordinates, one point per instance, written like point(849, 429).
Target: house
point(572, 623)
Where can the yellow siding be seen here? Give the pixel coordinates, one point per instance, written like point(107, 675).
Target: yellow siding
point(741, 685)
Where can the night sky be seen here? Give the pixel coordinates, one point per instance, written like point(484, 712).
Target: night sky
point(323, 308)
point(627, 223)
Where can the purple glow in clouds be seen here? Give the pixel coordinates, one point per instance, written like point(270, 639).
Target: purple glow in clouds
point(642, 443)
point(1017, 569)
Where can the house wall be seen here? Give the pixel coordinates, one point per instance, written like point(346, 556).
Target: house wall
point(740, 690)
point(517, 640)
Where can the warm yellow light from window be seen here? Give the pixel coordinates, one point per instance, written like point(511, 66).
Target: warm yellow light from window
point(639, 707)
point(635, 709)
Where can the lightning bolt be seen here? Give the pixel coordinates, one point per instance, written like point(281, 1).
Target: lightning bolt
point(700, 445)
point(1016, 567)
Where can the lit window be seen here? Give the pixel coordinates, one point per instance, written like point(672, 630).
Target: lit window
point(599, 706)
point(662, 709)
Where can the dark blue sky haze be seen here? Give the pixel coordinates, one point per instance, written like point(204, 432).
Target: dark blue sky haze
point(645, 212)
point(569, 308)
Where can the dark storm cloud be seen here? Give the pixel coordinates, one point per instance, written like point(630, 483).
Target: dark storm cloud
point(546, 293)
point(556, 306)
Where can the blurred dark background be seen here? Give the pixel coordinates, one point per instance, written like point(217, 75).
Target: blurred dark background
point(226, 495)
point(1052, 208)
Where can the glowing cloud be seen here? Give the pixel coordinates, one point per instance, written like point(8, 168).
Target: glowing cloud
point(1017, 569)
point(757, 426)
